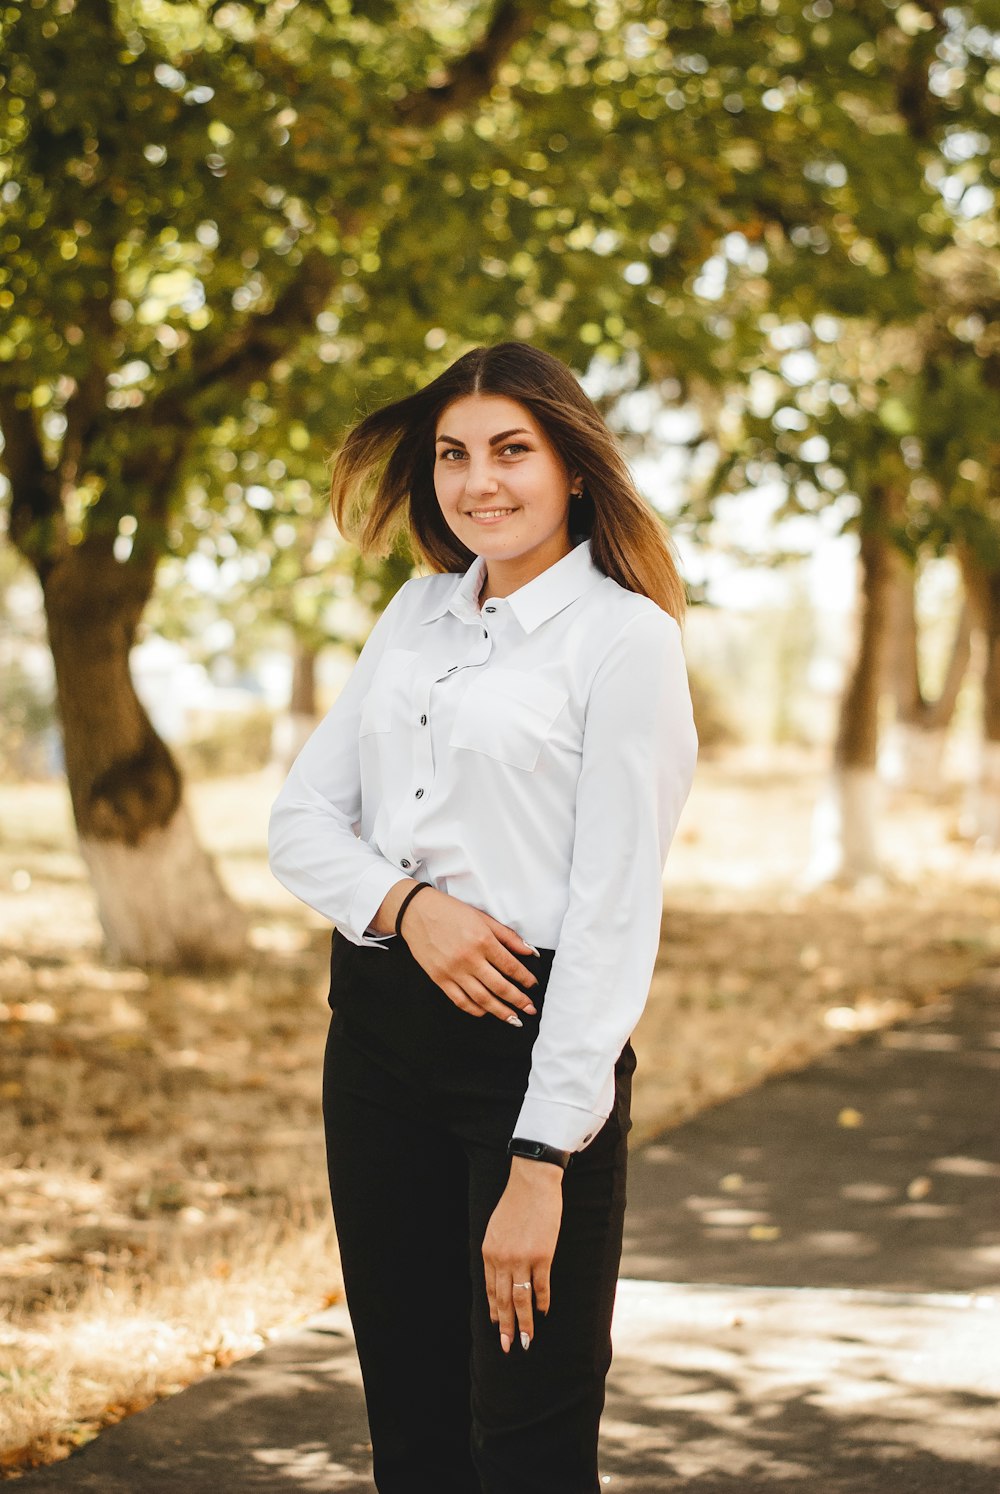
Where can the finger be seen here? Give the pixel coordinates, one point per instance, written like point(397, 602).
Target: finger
point(497, 972)
point(522, 1307)
point(505, 1308)
point(492, 1004)
point(491, 1292)
point(540, 1282)
point(492, 977)
point(457, 995)
point(507, 964)
point(509, 936)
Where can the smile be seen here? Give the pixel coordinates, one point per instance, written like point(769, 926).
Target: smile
point(490, 515)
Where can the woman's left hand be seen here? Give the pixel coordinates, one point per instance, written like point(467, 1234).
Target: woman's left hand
point(519, 1244)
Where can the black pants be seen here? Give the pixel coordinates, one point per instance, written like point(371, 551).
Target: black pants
point(419, 1100)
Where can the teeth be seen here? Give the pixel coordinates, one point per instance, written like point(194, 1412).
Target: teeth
point(490, 513)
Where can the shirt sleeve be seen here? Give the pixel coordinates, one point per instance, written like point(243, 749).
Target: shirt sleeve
point(640, 747)
point(313, 846)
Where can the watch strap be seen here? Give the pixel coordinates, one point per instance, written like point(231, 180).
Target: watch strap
point(538, 1151)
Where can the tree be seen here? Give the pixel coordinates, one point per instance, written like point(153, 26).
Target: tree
point(196, 268)
point(921, 722)
point(869, 388)
point(229, 224)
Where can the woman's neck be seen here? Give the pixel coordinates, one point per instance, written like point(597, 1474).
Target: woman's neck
point(503, 585)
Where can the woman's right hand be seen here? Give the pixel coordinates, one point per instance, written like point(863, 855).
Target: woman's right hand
point(469, 954)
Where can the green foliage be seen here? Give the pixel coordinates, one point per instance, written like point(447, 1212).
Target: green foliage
point(232, 228)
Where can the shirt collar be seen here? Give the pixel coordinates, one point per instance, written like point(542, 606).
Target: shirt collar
point(534, 602)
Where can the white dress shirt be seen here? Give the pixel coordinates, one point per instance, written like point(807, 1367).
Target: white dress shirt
point(531, 758)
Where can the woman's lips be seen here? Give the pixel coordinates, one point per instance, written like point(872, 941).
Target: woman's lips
point(492, 518)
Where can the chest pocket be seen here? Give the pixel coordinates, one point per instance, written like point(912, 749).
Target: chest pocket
point(388, 697)
point(507, 715)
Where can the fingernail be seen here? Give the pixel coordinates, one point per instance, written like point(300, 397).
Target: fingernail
point(529, 1009)
point(534, 951)
point(505, 1341)
point(515, 1021)
point(525, 1340)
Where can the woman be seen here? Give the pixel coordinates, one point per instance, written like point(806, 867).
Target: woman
point(515, 744)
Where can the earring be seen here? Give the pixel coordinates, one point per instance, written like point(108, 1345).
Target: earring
point(576, 495)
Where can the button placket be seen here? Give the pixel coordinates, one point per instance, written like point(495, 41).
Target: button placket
point(423, 763)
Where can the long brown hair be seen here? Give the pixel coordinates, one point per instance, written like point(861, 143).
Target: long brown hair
point(393, 448)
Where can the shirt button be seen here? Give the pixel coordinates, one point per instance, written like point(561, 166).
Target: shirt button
point(419, 793)
point(485, 633)
point(404, 862)
point(489, 609)
point(423, 721)
point(451, 667)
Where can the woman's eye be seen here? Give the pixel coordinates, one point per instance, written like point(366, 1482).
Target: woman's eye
point(451, 451)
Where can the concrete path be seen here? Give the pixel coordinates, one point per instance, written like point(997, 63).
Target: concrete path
point(877, 1166)
point(810, 1304)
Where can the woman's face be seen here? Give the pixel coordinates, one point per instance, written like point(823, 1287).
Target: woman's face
point(491, 454)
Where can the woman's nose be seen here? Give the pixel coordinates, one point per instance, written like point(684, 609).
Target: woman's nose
point(481, 480)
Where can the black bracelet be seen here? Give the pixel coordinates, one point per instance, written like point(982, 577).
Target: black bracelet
point(538, 1151)
point(402, 907)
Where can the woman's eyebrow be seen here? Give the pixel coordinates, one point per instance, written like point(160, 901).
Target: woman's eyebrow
point(517, 431)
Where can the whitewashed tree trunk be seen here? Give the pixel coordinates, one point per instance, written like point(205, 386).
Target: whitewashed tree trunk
point(980, 818)
point(912, 753)
point(162, 902)
point(159, 897)
point(912, 757)
point(845, 825)
point(981, 573)
point(291, 731)
point(844, 839)
point(298, 723)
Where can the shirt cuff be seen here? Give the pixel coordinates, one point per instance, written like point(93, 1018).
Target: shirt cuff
point(368, 897)
point(565, 1126)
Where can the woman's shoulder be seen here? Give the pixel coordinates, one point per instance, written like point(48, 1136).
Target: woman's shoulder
point(417, 592)
point(616, 608)
point(425, 595)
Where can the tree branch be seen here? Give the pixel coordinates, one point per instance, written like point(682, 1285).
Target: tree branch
point(254, 347)
point(34, 490)
point(473, 74)
point(251, 350)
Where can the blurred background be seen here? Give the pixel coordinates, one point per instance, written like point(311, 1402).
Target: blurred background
point(765, 236)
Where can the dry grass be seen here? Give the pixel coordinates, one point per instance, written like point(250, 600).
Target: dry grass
point(162, 1174)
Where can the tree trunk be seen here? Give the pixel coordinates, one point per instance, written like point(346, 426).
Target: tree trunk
point(845, 822)
point(913, 754)
point(293, 728)
point(303, 702)
point(981, 821)
point(159, 896)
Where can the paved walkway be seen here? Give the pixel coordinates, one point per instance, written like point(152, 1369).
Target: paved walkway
point(810, 1304)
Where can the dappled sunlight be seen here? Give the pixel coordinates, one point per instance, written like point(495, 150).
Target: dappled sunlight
point(875, 1166)
point(308, 1467)
point(135, 1331)
point(744, 1382)
point(161, 1131)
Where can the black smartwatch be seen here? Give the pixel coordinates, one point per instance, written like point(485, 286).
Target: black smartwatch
point(539, 1151)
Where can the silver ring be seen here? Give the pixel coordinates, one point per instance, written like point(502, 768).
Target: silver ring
point(520, 1283)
